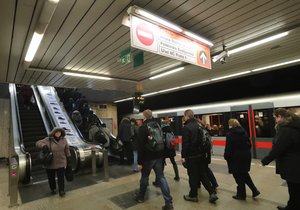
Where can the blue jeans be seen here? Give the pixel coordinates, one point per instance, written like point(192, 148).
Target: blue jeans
point(157, 166)
point(135, 160)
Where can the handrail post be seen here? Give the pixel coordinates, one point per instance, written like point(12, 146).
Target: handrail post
point(105, 165)
point(94, 168)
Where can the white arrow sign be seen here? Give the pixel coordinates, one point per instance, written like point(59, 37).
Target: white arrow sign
point(203, 57)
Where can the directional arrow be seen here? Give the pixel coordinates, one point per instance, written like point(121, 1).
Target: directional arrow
point(203, 57)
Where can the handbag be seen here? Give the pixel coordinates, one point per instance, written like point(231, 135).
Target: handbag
point(46, 158)
point(69, 174)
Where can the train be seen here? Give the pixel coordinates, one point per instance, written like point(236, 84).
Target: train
point(254, 114)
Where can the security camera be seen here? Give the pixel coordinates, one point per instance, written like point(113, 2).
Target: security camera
point(223, 60)
point(220, 57)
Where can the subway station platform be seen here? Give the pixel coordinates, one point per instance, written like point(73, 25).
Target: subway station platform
point(118, 192)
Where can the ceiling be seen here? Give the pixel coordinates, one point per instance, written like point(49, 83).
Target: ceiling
point(88, 36)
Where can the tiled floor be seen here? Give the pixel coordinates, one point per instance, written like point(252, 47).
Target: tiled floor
point(118, 192)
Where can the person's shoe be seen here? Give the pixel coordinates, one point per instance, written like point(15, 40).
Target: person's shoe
point(155, 184)
point(168, 207)
point(177, 178)
point(189, 198)
point(239, 198)
point(255, 194)
point(62, 193)
point(213, 197)
point(281, 208)
point(53, 192)
point(138, 198)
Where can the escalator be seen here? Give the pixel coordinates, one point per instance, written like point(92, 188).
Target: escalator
point(33, 129)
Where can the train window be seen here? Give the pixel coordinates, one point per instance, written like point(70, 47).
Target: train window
point(264, 123)
point(215, 123)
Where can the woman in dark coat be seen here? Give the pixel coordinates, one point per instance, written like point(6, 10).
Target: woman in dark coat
point(286, 151)
point(238, 157)
point(58, 145)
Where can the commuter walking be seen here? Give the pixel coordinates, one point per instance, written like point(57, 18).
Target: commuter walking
point(124, 135)
point(194, 158)
point(58, 145)
point(286, 151)
point(238, 157)
point(150, 156)
point(134, 135)
point(170, 151)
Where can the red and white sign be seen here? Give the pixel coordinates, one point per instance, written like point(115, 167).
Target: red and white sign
point(150, 37)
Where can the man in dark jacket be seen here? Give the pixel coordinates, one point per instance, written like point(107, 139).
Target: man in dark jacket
point(286, 151)
point(194, 159)
point(125, 135)
point(149, 159)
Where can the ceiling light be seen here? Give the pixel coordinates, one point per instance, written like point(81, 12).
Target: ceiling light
point(254, 44)
point(167, 73)
point(149, 94)
point(276, 65)
point(87, 76)
point(156, 19)
point(33, 46)
point(198, 38)
point(231, 75)
point(125, 99)
point(170, 89)
point(196, 83)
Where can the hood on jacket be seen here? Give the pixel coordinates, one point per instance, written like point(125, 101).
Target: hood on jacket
point(54, 130)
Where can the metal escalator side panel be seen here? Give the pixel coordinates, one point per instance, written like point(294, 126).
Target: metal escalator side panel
point(16, 147)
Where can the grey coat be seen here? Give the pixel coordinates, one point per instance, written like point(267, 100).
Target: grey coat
point(60, 149)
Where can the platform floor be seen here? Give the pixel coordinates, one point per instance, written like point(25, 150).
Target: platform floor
point(118, 192)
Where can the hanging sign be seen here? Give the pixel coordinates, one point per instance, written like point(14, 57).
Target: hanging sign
point(150, 37)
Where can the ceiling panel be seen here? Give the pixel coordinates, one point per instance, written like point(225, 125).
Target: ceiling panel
point(87, 36)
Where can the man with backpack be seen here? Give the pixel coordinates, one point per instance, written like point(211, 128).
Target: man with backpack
point(150, 156)
point(170, 145)
point(194, 157)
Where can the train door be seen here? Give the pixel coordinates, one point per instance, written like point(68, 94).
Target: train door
point(257, 120)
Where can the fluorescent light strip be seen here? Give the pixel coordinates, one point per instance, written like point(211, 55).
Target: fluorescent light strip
point(231, 75)
point(276, 65)
point(229, 103)
point(254, 44)
point(149, 94)
point(86, 76)
point(170, 89)
point(158, 19)
point(194, 36)
point(196, 83)
point(167, 73)
point(33, 46)
point(125, 99)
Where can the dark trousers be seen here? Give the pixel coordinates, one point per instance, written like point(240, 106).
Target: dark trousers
point(175, 167)
point(197, 171)
point(60, 178)
point(127, 151)
point(294, 192)
point(242, 179)
point(212, 178)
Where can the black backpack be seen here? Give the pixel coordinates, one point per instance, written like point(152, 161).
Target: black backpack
point(204, 141)
point(155, 141)
point(100, 137)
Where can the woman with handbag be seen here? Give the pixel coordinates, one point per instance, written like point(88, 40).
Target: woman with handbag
point(56, 144)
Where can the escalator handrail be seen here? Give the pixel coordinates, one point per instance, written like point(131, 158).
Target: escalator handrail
point(17, 138)
point(42, 110)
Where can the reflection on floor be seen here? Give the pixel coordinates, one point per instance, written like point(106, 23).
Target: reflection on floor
point(118, 193)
